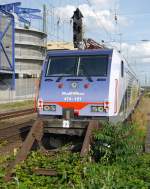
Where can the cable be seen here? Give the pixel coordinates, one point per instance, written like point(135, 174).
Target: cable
point(134, 14)
point(97, 20)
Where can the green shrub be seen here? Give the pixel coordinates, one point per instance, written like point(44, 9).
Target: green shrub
point(115, 142)
point(120, 165)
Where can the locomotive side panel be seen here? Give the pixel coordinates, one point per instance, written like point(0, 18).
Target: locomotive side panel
point(124, 89)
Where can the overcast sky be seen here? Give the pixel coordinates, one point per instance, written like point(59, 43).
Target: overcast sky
point(131, 27)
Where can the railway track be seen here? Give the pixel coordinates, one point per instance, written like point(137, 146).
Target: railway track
point(13, 114)
point(16, 130)
point(36, 134)
point(11, 132)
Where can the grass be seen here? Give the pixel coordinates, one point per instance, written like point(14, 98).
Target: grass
point(121, 164)
point(16, 105)
point(139, 117)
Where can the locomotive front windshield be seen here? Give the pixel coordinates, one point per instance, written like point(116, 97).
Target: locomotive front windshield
point(93, 66)
point(77, 66)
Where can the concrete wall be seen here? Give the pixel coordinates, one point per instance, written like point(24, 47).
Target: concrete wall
point(25, 89)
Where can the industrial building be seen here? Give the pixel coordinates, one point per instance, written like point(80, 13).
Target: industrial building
point(23, 50)
point(26, 48)
point(60, 45)
point(30, 49)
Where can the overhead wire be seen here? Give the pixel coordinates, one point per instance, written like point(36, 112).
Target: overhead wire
point(122, 14)
point(134, 14)
point(58, 25)
point(98, 21)
point(56, 21)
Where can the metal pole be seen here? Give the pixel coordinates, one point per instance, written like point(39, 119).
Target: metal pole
point(44, 19)
point(120, 41)
point(0, 37)
point(13, 52)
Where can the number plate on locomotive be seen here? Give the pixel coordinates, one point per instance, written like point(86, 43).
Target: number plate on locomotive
point(66, 123)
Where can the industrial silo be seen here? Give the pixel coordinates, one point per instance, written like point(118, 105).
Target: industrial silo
point(29, 47)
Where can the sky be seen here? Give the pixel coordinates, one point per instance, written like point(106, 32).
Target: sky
point(130, 31)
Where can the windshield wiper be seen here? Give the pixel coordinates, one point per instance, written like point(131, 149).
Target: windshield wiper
point(85, 73)
point(89, 78)
point(48, 79)
point(61, 76)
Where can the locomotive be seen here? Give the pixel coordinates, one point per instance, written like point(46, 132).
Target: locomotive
point(77, 86)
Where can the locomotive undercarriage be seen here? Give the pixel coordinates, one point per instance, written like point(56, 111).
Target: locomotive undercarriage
point(70, 126)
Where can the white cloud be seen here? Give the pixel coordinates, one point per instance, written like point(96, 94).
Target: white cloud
point(65, 12)
point(138, 57)
point(103, 4)
point(140, 50)
point(139, 53)
point(99, 16)
point(94, 18)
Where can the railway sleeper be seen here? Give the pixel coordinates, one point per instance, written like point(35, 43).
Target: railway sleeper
point(35, 135)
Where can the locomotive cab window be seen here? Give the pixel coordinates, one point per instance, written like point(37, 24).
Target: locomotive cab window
point(93, 66)
point(122, 68)
point(62, 66)
point(77, 66)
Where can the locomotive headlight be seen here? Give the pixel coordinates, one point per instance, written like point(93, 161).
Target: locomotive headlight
point(100, 108)
point(51, 108)
point(97, 109)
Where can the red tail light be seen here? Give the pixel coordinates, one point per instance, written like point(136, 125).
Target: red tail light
point(76, 112)
point(40, 103)
point(87, 85)
point(60, 85)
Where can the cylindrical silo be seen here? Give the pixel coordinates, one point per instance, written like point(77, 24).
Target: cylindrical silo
point(30, 49)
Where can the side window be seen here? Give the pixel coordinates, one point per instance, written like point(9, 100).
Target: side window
point(122, 68)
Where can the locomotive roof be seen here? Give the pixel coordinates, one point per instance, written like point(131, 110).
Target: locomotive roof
point(80, 52)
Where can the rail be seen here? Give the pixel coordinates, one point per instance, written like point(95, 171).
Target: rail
point(36, 134)
point(13, 114)
point(10, 132)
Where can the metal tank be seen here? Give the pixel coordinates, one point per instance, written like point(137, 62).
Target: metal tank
point(30, 48)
